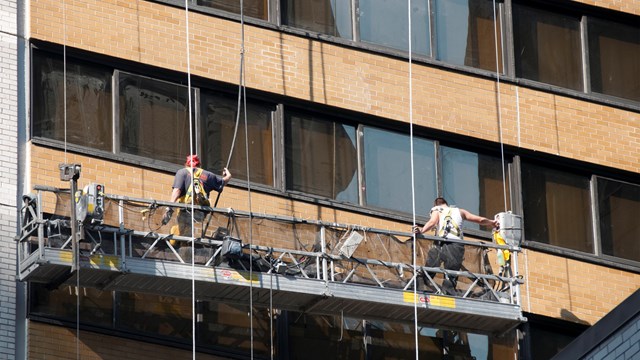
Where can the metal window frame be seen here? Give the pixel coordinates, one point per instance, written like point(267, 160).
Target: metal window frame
point(195, 110)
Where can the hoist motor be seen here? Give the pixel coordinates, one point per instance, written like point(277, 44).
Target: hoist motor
point(510, 227)
point(90, 203)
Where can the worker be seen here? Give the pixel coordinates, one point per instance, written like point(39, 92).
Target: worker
point(185, 190)
point(448, 224)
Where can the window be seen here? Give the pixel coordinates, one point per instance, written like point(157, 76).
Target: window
point(547, 336)
point(154, 118)
point(155, 315)
point(88, 93)
point(619, 206)
point(96, 307)
point(227, 326)
point(473, 182)
point(385, 22)
point(221, 140)
point(321, 157)
point(547, 47)
point(397, 341)
point(466, 33)
point(325, 337)
point(387, 158)
point(556, 208)
point(614, 59)
point(258, 9)
point(332, 17)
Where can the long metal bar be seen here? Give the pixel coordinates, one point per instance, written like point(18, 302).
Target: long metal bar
point(240, 213)
point(325, 262)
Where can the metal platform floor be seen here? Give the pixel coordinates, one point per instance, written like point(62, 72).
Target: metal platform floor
point(285, 292)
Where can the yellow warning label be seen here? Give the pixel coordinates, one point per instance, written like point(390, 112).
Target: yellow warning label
point(242, 276)
point(410, 297)
point(66, 256)
point(112, 262)
point(442, 301)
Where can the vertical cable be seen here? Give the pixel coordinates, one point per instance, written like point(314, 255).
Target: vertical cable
point(243, 95)
point(64, 74)
point(64, 114)
point(413, 190)
point(495, 38)
point(518, 113)
point(191, 147)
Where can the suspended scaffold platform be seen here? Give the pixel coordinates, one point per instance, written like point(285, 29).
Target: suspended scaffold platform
point(288, 263)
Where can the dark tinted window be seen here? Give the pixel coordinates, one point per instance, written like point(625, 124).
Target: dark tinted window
point(557, 208)
point(547, 47)
point(221, 140)
point(321, 157)
point(619, 206)
point(253, 8)
point(332, 17)
point(614, 59)
point(88, 120)
point(154, 118)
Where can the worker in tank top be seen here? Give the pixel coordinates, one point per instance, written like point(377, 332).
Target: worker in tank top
point(448, 224)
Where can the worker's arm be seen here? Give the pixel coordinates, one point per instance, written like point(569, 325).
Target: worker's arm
point(168, 212)
point(226, 176)
point(433, 221)
point(477, 219)
point(175, 194)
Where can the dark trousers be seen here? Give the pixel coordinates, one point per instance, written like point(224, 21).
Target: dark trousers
point(449, 254)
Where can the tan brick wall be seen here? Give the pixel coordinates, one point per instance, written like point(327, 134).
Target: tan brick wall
point(570, 289)
point(627, 6)
point(126, 180)
point(555, 286)
point(155, 34)
point(55, 342)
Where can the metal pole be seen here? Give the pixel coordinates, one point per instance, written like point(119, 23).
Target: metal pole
point(71, 173)
point(323, 244)
point(74, 225)
point(123, 257)
point(514, 276)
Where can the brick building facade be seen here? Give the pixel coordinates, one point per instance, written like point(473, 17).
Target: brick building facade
point(588, 134)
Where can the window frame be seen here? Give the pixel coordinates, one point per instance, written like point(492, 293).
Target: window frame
point(194, 118)
point(281, 104)
point(585, 11)
point(596, 219)
point(596, 256)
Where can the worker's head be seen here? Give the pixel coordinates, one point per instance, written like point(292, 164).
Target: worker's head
point(192, 161)
point(440, 201)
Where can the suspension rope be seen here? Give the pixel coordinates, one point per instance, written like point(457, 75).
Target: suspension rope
point(191, 147)
point(240, 94)
point(413, 190)
point(64, 115)
point(242, 99)
point(498, 98)
point(64, 74)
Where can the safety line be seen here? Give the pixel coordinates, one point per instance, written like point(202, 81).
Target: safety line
point(64, 74)
point(191, 147)
point(413, 189)
point(240, 85)
point(518, 113)
point(498, 98)
point(64, 95)
point(242, 94)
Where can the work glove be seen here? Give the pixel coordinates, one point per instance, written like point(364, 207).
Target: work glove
point(167, 215)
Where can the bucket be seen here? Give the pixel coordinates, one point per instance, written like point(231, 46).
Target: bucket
point(510, 227)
